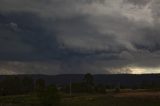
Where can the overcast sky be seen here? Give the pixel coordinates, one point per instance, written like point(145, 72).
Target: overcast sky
point(79, 36)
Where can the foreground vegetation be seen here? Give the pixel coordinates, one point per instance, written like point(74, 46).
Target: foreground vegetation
point(135, 98)
point(111, 100)
point(16, 91)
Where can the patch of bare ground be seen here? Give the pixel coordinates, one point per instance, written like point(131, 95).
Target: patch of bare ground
point(144, 94)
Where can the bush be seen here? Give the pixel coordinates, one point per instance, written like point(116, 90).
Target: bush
point(49, 97)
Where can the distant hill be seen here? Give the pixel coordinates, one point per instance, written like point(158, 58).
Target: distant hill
point(127, 80)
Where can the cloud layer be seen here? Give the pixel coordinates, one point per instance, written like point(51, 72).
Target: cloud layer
point(79, 36)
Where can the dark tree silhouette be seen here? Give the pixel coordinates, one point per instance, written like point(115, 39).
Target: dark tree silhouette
point(88, 79)
point(89, 83)
point(40, 85)
point(27, 84)
point(11, 86)
point(49, 97)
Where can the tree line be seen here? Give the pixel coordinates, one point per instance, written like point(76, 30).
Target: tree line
point(49, 95)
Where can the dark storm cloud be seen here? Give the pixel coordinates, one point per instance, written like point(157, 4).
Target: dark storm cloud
point(78, 36)
point(24, 36)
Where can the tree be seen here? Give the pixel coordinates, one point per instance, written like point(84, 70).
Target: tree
point(89, 83)
point(49, 97)
point(15, 85)
point(88, 79)
point(40, 85)
point(27, 84)
point(11, 85)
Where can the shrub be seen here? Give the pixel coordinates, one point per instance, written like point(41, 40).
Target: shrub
point(49, 97)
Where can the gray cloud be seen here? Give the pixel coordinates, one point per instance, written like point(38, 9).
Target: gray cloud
point(78, 36)
point(138, 2)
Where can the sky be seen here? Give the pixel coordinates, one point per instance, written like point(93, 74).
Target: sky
point(79, 36)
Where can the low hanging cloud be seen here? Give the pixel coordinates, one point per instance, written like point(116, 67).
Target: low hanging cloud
point(78, 36)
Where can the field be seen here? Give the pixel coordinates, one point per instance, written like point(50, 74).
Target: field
point(126, 98)
point(119, 99)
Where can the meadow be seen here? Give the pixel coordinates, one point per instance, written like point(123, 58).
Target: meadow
point(126, 98)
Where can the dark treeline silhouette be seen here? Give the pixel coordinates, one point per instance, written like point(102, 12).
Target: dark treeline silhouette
point(47, 95)
point(26, 84)
point(91, 85)
point(46, 88)
point(87, 85)
point(12, 85)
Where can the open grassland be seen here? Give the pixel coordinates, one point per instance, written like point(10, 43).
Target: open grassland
point(119, 99)
point(110, 99)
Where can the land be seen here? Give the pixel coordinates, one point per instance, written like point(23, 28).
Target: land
point(80, 90)
point(123, 98)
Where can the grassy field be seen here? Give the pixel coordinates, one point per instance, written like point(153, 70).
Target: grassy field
point(120, 99)
point(136, 98)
